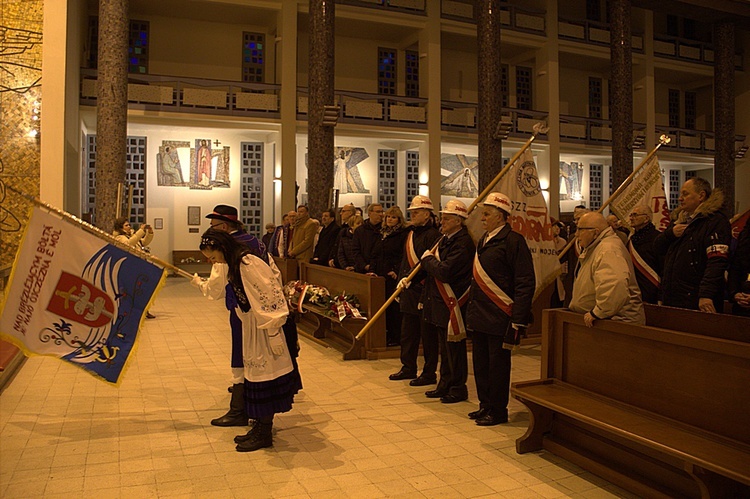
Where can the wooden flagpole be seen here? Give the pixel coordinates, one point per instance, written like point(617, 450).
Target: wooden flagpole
point(539, 129)
point(101, 234)
point(664, 139)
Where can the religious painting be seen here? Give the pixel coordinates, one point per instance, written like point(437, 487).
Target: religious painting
point(346, 176)
point(209, 165)
point(459, 175)
point(571, 178)
point(172, 162)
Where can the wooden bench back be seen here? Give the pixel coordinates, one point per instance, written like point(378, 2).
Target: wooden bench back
point(289, 268)
point(693, 378)
point(369, 290)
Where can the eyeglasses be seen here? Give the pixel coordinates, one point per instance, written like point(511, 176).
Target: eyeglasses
point(586, 228)
point(636, 215)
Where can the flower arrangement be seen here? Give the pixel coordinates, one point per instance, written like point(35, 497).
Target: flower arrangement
point(299, 292)
point(344, 305)
point(341, 306)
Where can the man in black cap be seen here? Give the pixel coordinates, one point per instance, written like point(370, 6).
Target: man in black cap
point(224, 218)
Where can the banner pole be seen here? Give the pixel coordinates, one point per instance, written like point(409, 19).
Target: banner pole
point(101, 234)
point(664, 139)
point(539, 128)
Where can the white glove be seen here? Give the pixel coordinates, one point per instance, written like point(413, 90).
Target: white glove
point(564, 267)
point(277, 343)
point(427, 253)
point(403, 283)
point(196, 281)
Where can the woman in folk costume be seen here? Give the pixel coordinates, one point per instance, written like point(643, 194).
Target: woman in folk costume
point(270, 378)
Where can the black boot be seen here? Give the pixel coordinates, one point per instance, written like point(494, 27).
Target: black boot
point(247, 436)
point(259, 439)
point(237, 416)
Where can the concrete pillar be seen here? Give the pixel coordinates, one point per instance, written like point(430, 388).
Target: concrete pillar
point(321, 87)
point(724, 111)
point(430, 80)
point(111, 108)
point(288, 141)
point(621, 90)
point(490, 99)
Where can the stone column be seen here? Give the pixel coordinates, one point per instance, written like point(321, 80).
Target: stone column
point(724, 111)
point(321, 87)
point(490, 99)
point(111, 108)
point(621, 90)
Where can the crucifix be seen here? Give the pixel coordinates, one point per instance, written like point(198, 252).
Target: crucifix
point(216, 142)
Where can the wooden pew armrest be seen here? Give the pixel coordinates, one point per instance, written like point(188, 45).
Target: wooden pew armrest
point(689, 444)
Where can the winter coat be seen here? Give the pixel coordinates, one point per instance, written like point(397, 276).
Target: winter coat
point(389, 251)
point(694, 264)
point(303, 238)
point(605, 282)
point(363, 244)
point(643, 243)
point(326, 244)
point(346, 250)
point(453, 268)
point(507, 260)
point(424, 238)
point(739, 270)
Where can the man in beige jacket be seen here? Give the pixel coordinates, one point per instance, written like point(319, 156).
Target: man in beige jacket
point(303, 236)
point(605, 286)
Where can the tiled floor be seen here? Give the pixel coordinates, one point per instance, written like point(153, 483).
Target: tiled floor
point(352, 432)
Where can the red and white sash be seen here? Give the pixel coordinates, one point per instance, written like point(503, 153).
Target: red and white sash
point(641, 266)
point(456, 327)
point(491, 289)
point(411, 253)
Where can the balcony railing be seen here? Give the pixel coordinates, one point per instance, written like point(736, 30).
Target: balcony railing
point(511, 16)
point(592, 32)
point(409, 6)
point(693, 141)
point(462, 117)
point(192, 95)
point(372, 109)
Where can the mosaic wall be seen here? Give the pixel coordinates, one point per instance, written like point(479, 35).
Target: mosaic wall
point(20, 115)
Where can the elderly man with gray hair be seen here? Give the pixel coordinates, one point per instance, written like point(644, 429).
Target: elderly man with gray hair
point(605, 285)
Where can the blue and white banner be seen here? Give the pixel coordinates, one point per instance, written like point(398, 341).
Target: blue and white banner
point(74, 296)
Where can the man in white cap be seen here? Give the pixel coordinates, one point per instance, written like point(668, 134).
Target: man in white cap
point(445, 299)
point(422, 236)
point(502, 289)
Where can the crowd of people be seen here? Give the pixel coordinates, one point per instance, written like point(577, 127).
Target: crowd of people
point(450, 289)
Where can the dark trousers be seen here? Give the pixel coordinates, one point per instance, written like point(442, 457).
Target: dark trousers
point(491, 372)
point(414, 329)
point(454, 366)
point(235, 323)
point(392, 314)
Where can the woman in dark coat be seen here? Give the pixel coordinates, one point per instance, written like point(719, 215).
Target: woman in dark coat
point(345, 250)
point(388, 252)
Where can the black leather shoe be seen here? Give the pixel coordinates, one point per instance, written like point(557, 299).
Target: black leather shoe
point(402, 375)
point(482, 412)
point(491, 420)
point(436, 393)
point(423, 380)
point(452, 398)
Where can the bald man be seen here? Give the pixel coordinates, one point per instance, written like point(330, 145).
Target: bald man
point(605, 286)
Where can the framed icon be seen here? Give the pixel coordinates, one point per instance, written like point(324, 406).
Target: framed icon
point(194, 215)
point(158, 223)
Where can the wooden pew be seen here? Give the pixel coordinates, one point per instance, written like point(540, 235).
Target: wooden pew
point(289, 268)
point(191, 261)
point(661, 412)
point(341, 334)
